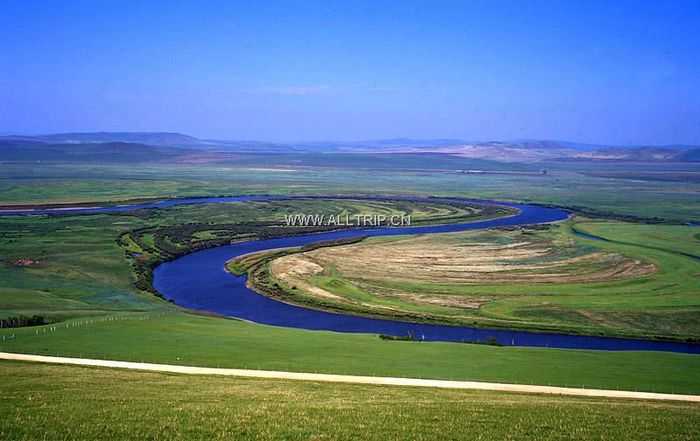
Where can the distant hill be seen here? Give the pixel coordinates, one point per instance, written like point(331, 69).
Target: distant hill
point(690, 155)
point(408, 142)
point(376, 146)
point(543, 150)
point(150, 138)
point(32, 151)
point(159, 146)
point(642, 154)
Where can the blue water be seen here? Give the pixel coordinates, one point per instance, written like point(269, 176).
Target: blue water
point(199, 281)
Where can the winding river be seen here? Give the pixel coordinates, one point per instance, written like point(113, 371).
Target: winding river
point(199, 281)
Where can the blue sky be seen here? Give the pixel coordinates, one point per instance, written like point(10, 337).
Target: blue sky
point(601, 72)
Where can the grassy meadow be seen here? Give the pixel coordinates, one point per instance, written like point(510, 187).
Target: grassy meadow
point(571, 185)
point(65, 402)
point(181, 338)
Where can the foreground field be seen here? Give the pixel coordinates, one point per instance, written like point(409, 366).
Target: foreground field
point(63, 402)
point(639, 280)
point(185, 339)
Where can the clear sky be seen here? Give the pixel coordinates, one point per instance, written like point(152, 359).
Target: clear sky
point(619, 72)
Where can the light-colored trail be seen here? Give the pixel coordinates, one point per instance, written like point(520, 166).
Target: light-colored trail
point(355, 379)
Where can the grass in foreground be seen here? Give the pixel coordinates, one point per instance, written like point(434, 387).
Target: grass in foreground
point(66, 402)
point(186, 339)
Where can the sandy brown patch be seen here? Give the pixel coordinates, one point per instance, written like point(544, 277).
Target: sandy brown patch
point(294, 270)
point(423, 259)
point(434, 264)
point(452, 301)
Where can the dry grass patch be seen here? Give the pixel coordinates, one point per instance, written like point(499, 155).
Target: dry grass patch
point(492, 257)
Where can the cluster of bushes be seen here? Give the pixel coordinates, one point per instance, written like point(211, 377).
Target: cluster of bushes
point(144, 276)
point(490, 341)
point(22, 321)
point(409, 337)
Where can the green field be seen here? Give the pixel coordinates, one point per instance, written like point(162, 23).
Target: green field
point(642, 280)
point(62, 402)
point(570, 185)
point(179, 338)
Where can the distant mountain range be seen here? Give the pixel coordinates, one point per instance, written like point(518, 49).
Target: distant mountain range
point(37, 151)
point(150, 138)
point(170, 146)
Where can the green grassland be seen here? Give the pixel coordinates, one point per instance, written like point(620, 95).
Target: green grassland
point(62, 402)
point(664, 303)
point(570, 185)
point(188, 339)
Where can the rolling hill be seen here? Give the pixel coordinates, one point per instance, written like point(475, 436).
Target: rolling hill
point(160, 146)
point(33, 151)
